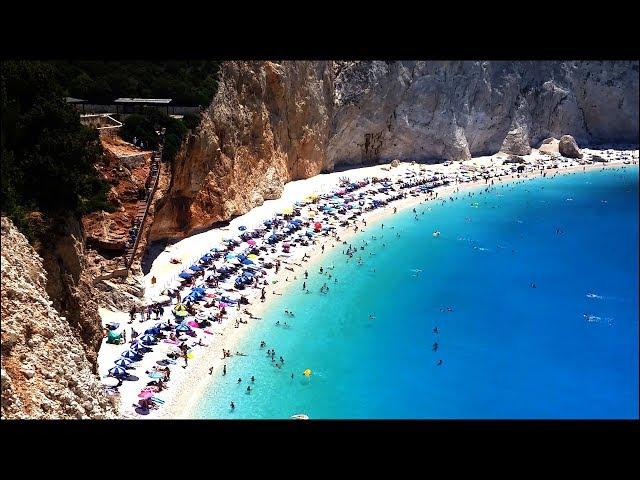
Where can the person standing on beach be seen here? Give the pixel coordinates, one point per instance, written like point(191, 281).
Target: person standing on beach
point(224, 370)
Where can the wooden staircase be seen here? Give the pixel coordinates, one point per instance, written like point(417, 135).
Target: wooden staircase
point(142, 208)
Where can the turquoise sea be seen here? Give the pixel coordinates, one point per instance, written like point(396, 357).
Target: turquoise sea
point(566, 349)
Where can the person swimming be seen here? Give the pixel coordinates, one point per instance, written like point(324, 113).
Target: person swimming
point(239, 380)
point(233, 406)
point(439, 362)
point(435, 346)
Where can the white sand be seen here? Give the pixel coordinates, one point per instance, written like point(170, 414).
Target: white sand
point(187, 385)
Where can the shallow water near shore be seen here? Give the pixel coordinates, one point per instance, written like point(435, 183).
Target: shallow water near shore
point(565, 349)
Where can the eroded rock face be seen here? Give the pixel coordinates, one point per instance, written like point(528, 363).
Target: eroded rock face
point(568, 147)
point(516, 142)
point(45, 371)
point(271, 123)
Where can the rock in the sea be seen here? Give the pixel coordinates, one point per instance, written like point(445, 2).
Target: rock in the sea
point(516, 142)
point(568, 147)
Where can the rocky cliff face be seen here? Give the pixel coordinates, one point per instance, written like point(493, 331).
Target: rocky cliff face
point(46, 372)
point(271, 123)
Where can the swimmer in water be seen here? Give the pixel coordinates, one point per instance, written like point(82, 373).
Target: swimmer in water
point(233, 406)
point(439, 363)
point(248, 388)
point(239, 380)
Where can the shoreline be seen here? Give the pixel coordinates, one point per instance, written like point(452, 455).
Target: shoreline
point(188, 386)
point(186, 397)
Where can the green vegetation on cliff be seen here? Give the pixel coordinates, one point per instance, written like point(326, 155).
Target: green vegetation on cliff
point(48, 156)
point(188, 82)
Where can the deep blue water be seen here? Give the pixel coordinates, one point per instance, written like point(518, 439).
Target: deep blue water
point(508, 350)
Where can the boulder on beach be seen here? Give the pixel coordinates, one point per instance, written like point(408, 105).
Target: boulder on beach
point(516, 142)
point(598, 158)
point(395, 163)
point(549, 146)
point(568, 147)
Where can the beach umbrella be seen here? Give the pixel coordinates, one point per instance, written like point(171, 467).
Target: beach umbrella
point(123, 362)
point(183, 327)
point(185, 275)
point(242, 227)
point(117, 371)
point(147, 338)
point(253, 256)
point(129, 354)
point(251, 242)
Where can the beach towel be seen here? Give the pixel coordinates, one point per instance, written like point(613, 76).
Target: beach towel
point(207, 331)
point(173, 342)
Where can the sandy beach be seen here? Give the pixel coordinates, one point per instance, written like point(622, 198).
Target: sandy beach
point(188, 384)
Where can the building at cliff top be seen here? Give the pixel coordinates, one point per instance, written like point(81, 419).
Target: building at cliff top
point(134, 105)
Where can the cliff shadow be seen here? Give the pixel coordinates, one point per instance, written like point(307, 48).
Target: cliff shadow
point(151, 253)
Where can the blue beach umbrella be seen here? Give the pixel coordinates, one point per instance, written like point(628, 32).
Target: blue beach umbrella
point(129, 354)
point(148, 339)
point(242, 227)
point(117, 371)
point(123, 362)
point(185, 275)
point(183, 327)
